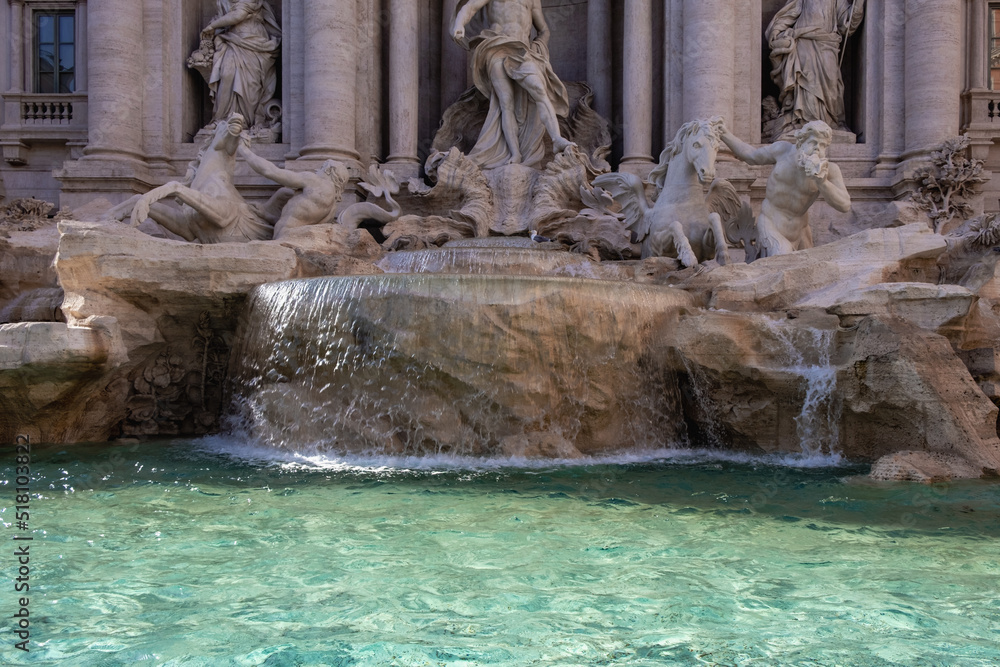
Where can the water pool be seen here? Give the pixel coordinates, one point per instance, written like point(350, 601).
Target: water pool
point(205, 553)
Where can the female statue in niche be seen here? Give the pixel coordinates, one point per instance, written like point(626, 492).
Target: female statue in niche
point(238, 55)
point(807, 39)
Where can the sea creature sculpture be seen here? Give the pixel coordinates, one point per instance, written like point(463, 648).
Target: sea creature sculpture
point(684, 222)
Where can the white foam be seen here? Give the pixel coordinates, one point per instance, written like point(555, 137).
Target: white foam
point(244, 451)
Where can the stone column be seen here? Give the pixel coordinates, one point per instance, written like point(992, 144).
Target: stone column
point(331, 53)
point(404, 88)
point(81, 46)
point(709, 59)
point(599, 74)
point(16, 46)
point(115, 58)
point(454, 59)
point(934, 59)
point(638, 84)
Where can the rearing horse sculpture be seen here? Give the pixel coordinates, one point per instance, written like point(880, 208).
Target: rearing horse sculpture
point(683, 222)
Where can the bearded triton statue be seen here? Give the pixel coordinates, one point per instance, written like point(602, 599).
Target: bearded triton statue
point(802, 172)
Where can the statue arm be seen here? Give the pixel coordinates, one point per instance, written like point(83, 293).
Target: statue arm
point(834, 191)
point(781, 31)
point(747, 153)
point(851, 17)
point(271, 171)
point(235, 17)
point(541, 25)
point(465, 15)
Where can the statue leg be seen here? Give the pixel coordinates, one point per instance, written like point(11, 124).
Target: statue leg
point(533, 85)
point(123, 210)
point(672, 234)
point(721, 247)
point(685, 252)
point(216, 211)
point(173, 220)
point(503, 88)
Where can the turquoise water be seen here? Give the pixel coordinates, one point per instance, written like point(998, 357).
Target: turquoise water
point(191, 553)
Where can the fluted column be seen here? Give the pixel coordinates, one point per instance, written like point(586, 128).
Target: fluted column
point(17, 47)
point(454, 60)
point(404, 87)
point(934, 60)
point(638, 84)
point(115, 49)
point(709, 59)
point(599, 74)
point(331, 53)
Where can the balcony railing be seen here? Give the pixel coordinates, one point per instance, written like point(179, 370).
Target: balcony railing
point(47, 111)
point(31, 118)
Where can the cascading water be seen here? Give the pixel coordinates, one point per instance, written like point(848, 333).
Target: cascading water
point(806, 351)
point(459, 364)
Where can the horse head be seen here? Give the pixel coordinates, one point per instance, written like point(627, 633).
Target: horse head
point(697, 143)
point(701, 147)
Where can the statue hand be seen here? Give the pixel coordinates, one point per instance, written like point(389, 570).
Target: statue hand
point(781, 43)
point(819, 178)
point(459, 34)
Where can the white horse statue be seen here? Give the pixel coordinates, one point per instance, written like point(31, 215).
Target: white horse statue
point(684, 222)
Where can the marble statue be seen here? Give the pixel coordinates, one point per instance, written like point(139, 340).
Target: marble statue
point(211, 210)
point(802, 172)
point(513, 72)
point(807, 39)
point(683, 222)
point(306, 198)
point(238, 57)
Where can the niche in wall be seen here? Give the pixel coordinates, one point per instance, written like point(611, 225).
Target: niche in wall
point(852, 70)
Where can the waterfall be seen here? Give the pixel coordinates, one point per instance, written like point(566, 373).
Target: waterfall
point(806, 351)
point(458, 365)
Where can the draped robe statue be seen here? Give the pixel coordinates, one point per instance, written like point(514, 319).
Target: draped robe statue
point(244, 75)
point(807, 39)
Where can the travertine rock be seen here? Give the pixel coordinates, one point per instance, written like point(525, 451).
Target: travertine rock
point(927, 467)
point(26, 261)
point(745, 380)
point(150, 326)
point(48, 386)
point(820, 277)
point(927, 306)
point(904, 388)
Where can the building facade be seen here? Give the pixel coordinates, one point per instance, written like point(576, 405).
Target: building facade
point(98, 98)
